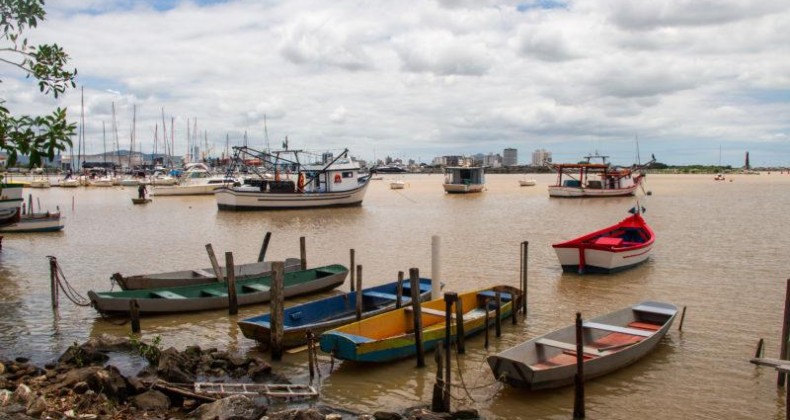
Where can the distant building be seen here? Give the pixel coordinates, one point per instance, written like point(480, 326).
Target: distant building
point(510, 157)
point(540, 157)
point(493, 161)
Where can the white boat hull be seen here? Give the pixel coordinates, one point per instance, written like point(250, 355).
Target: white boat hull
point(37, 222)
point(244, 199)
point(560, 191)
point(206, 189)
point(463, 188)
point(602, 261)
point(527, 183)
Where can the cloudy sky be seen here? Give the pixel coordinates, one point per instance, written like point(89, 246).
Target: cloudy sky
point(418, 79)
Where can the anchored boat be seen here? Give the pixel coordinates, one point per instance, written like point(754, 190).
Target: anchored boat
point(334, 182)
point(464, 179)
point(614, 248)
point(590, 179)
point(611, 342)
point(215, 295)
point(328, 313)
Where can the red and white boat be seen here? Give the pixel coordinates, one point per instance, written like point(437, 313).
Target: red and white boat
point(611, 249)
point(596, 179)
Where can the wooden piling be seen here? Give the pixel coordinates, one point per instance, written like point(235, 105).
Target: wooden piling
point(399, 291)
point(277, 310)
point(53, 282)
point(436, 267)
point(682, 318)
point(459, 324)
point(359, 292)
point(437, 402)
point(759, 351)
point(578, 401)
point(498, 320)
point(303, 252)
point(414, 278)
point(311, 354)
point(449, 299)
point(134, 314)
point(488, 322)
point(264, 246)
point(785, 335)
point(353, 278)
point(524, 282)
point(233, 302)
point(214, 264)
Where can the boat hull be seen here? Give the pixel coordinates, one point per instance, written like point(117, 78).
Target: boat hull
point(37, 222)
point(234, 199)
point(575, 192)
point(527, 183)
point(171, 190)
point(214, 296)
point(389, 336)
point(601, 261)
point(200, 276)
point(325, 314)
point(539, 364)
point(463, 188)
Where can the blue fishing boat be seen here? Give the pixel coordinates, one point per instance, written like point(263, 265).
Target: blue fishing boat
point(328, 313)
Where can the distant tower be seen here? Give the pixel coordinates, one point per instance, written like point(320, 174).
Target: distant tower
point(746, 166)
point(510, 157)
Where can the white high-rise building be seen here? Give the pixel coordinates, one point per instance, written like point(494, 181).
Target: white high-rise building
point(540, 157)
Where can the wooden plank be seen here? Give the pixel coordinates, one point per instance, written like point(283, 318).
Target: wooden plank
point(768, 361)
point(164, 294)
point(568, 346)
point(615, 328)
point(429, 311)
point(654, 310)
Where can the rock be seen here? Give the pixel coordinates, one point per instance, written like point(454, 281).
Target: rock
point(36, 407)
point(2, 368)
point(171, 367)
point(386, 415)
point(82, 356)
point(151, 400)
point(14, 408)
point(297, 414)
point(6, 397)
point(136, 385)
point(21, 360)
point(470, 414)
point(80, 388)
point(236, 407)
point(110, 382)
point(22, 394)
point(424, 414)
point(333, 416)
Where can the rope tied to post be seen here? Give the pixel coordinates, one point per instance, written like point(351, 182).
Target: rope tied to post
point(63, 284)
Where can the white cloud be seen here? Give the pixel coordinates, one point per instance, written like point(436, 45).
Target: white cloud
point(429, 78)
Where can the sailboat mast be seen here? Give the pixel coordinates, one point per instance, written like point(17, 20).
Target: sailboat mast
point(81, 138)
point(104, 138)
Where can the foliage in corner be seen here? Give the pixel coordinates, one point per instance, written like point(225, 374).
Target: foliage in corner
point(151, 351)
point(35, 136)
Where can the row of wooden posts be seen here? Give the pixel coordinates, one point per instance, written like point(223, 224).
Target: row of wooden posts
point(781, 364)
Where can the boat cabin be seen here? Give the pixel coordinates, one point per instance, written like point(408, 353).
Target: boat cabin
point(464, 175)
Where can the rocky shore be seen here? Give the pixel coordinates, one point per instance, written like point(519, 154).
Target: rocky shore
point(81, 385)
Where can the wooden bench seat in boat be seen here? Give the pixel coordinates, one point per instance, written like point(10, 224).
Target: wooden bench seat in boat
point(506, 297)
point(380, 295)
point(203, 273)
point(615, 328)
point(568, 346)
point(255, 288)
point(164, 294)
point(644, 326)
point(429, 311)
point(654, 310)
point(213, 293)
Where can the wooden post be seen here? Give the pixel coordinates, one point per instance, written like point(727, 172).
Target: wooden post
point(682, 318)
point(785, 335)
point(134, 314)
point(436, 267)
point(524, 282)
point(214, 263)
point(359, 292)
point(353, 278)
point(30, 205)
point(399, 291)
point(459, 324)
point(449, 299)
point(488, 321)
point(277, 310)
point(53, 282)
point(498, 320)
point(310, 354)
point(578, 401)
point(264, 246)
point(759, 352)
point(437, 403)
point(233, 302)
point(414, 278)
point(303, 252)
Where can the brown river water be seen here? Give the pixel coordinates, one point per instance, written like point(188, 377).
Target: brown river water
point(721, 251)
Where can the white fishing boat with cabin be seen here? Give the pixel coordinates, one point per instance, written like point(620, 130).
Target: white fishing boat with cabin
point(332, 182)
point(464, 179)
point(590, 179)
point(195, 181)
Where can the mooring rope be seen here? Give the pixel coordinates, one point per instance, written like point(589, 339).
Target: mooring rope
point(64, 285)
